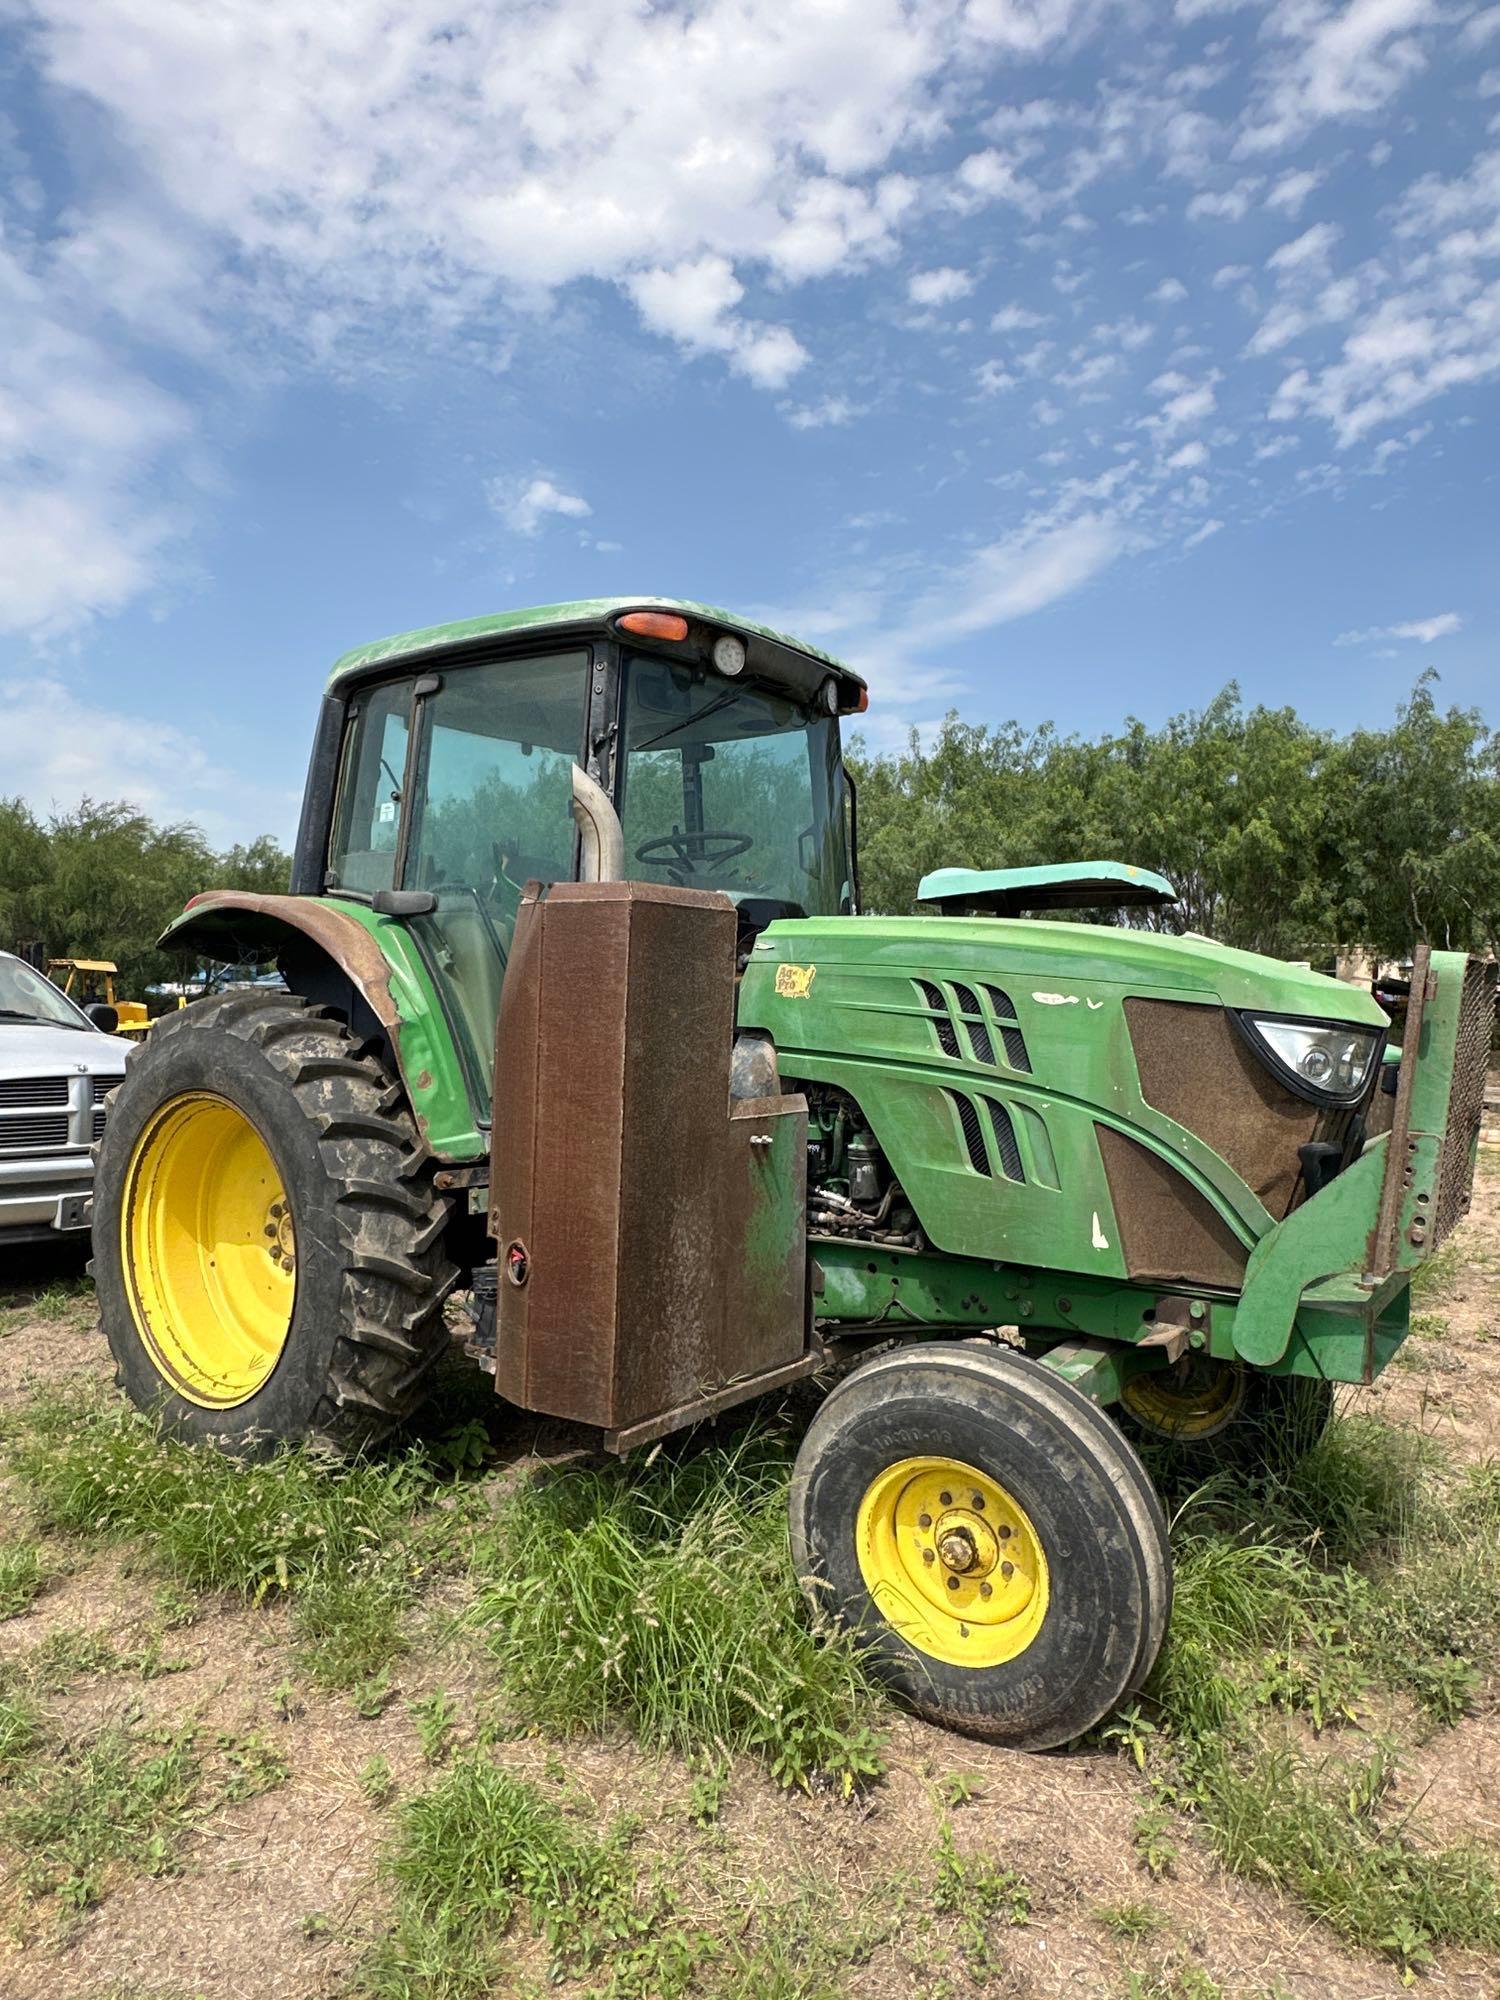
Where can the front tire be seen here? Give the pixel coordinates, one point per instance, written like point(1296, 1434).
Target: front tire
point(1207, 1416)
point(268, 1244)
point(988, 1535)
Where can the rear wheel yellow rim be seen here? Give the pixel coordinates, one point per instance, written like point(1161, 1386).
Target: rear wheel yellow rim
point(952, 1561)
point(209, 1250)
point(1190, 1406)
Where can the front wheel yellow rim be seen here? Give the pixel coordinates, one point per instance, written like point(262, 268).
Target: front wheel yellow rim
point(209, 1250)
point(952, 1561)
point(1188, 1405)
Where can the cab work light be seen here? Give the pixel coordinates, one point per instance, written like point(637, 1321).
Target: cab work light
point(654, 624)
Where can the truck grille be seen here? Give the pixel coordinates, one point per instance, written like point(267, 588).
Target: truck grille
point(32, 1093)
point(1471, 1057)
point(103, 1085)
point(30, 1135)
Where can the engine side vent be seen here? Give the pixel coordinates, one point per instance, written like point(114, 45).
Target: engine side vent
point(1005, 1141)
point(946, 1033)
point(1004, 1010)
point(968, 1118)
point(979, 1034)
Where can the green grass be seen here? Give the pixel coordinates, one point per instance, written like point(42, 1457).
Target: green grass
point(471, 1853)
point(74, 1811)
point(1369, 1568)
point(345, 1545)
point(981, 1896)
point(486, 1866)
point(659, 1597)
point(23, 1575)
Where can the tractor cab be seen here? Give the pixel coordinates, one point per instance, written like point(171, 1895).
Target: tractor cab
point(655, 742)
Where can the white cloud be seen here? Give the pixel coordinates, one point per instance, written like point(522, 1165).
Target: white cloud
point(1293, 189)
point(830, 414)
point(1170, 292)
point(694, 304)
point(1309, 251)
point(993, 378)
point(524, 505)
point(1019, 574)
point(1337, 62)
point(1188, 457)
point(59, 746)
point(1422, 630)
point(1015, 319)
point(940, 287)
point(1202, 534)
point(1229, 205)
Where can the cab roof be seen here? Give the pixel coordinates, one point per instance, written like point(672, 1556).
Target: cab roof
point(582, 615)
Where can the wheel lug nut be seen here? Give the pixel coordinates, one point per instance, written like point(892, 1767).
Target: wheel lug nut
point(927, 1556)
point(945, 1499)
point(270, 1229)
point(1007, 1569)
point(979, 1503)
point(1004, 1534)
point(953, 1583)
point(924, 1520)
point(287, 1264)
point(986, 1590)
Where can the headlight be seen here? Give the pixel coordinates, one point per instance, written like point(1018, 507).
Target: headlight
point(1328, 1060)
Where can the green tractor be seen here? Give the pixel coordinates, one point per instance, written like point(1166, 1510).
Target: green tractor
point(582, 1021)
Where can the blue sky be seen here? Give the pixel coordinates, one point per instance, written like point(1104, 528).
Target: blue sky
point(1047, 358)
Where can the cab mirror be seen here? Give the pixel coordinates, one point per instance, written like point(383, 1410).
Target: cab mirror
point(103, 1016)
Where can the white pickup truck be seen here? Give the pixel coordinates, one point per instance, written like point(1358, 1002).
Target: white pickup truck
point(56, 1069)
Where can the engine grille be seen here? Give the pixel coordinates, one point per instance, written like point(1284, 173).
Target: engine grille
point(103, 1085)
point(30, 1135)
point(982, 1022)
point(32, 1093)
point(1466, 1104)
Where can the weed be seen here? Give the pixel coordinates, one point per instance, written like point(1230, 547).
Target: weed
point(1132, 1731)
point(22, 1576)
point(960, 1788)
point(60, 1301)
point(372, 1697)
point(1435, 1277)
point(377, 1782)
point(1368, 1564)
point(434, 1715)
point(253, 1766)
point(1129, 1920)
point(706, 1798)
point(661, 1596)
point(1152, 1839)
point(471, 1852)
point(123, 1796)
point(345, 1544)
point(978, 1892)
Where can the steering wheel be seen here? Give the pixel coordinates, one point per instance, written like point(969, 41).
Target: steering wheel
point(684, 850)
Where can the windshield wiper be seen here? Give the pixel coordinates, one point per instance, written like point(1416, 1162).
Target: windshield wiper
point(700, 715)
point(37, 1020)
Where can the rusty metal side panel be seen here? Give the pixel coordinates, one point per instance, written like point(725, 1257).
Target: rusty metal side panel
point(1397, 1178)
point(664, 1249)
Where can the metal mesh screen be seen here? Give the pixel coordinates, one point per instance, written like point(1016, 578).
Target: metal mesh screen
point(1466, 1105)
point(968, 1118)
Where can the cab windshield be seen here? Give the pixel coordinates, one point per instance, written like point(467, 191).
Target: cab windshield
point(734, 788)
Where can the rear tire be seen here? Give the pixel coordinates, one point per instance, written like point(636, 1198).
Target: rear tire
point(917, 1475)
point(268, 1242)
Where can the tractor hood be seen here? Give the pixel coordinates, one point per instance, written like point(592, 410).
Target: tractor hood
point(1075, 959)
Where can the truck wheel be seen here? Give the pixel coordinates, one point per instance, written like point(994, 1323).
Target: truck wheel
point(268, 1244)
point(990, 1537)
point(1207, 1416)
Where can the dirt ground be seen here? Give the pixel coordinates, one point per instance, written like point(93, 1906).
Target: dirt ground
point(278, 1894)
